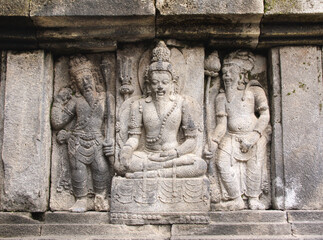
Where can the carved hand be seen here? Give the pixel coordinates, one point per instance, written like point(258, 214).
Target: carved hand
point(125, 156)
point(249, 142)
point(209, 153)
point(64, 95)
point(108, 148)
point(169, 155)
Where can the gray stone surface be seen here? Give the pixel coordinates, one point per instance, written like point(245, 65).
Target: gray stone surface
point(293, 7)
point(86, 20)
point(92, 8)
point(277, 161)
point(113, 231)
point(27, 135)
point(217, 7)
point(301, 91)
point(80, 218)
point(17, 218)
point(297, 75)
point(2, 101)
point(223, 23)
point(14, 8)
point(253, 229)
point(305, 216)
point(294, 22)
point(19, 231)
point(248, 216)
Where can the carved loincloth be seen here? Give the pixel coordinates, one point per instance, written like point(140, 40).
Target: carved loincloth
point(231, 145)
point(84, 147)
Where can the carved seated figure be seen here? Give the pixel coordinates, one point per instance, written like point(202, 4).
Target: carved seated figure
point(161, 114)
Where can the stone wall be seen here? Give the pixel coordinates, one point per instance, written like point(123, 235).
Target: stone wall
point(38, 38)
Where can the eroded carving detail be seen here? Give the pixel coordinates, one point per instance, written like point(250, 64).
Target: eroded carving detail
point(238, 145)
point(88, 140)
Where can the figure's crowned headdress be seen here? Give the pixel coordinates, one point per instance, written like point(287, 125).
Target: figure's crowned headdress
point(79, 64)
point(160, 60)
point(244, 59)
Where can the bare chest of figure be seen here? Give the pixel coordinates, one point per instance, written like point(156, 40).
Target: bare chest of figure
point(162, 121)
point(90, 118)
point(241, 112)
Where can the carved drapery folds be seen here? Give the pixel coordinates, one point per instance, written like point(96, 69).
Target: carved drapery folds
point(191, 133)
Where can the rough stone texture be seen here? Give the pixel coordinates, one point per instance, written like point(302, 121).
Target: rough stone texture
point(248, 216)
point(19, 230)
point(224, 23)
point(2, 101)
point(291, 22)
point(113, 231)
point(300, 184)
point(83, 21)
point(232, 229)
point(27, 134)
point(79, 218)
point(293, 7)
point(14, 8)
point(305, 216)
point(277, 163)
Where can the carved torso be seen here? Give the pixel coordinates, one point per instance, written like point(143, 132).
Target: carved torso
point(241, 113)
point(154, 116)
point(89, 118)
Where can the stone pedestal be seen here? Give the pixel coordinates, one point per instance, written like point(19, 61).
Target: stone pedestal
point(160, 201)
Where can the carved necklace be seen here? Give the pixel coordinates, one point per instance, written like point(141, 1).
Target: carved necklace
point(155, 139)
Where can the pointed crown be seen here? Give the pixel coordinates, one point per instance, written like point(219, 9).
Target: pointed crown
point(160, 60)
point(79, 64)
point(244, 59)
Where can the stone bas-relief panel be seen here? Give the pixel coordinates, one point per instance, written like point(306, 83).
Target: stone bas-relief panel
point(178, 148)
point(161, 174)
point(237, 131)
point(82, 117)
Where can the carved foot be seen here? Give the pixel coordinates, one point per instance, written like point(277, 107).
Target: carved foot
point(148, 174)
point(255, 204)
point(80, 205)
point(100, 203)
point(232, 205)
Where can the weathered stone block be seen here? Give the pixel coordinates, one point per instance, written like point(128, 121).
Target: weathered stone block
point(293, 7)
point(223, 23)
point(252, 229)
point(27, 135)
point(299, 75)
point(160, 200)
point(67, 22)
point(14, 8)
point(80, 218)
point(295, 22)
point(16, 218)
point(112, 231)
point(305, 216)
point(249, 216)
point(19, 230)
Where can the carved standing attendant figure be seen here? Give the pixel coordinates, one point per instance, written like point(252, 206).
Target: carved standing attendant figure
point(162, 113)
point(240, 138)
point(86, 139)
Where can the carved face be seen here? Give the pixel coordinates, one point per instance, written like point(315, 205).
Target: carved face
point(161, 83)
point(231, 75)
point(85, 82)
